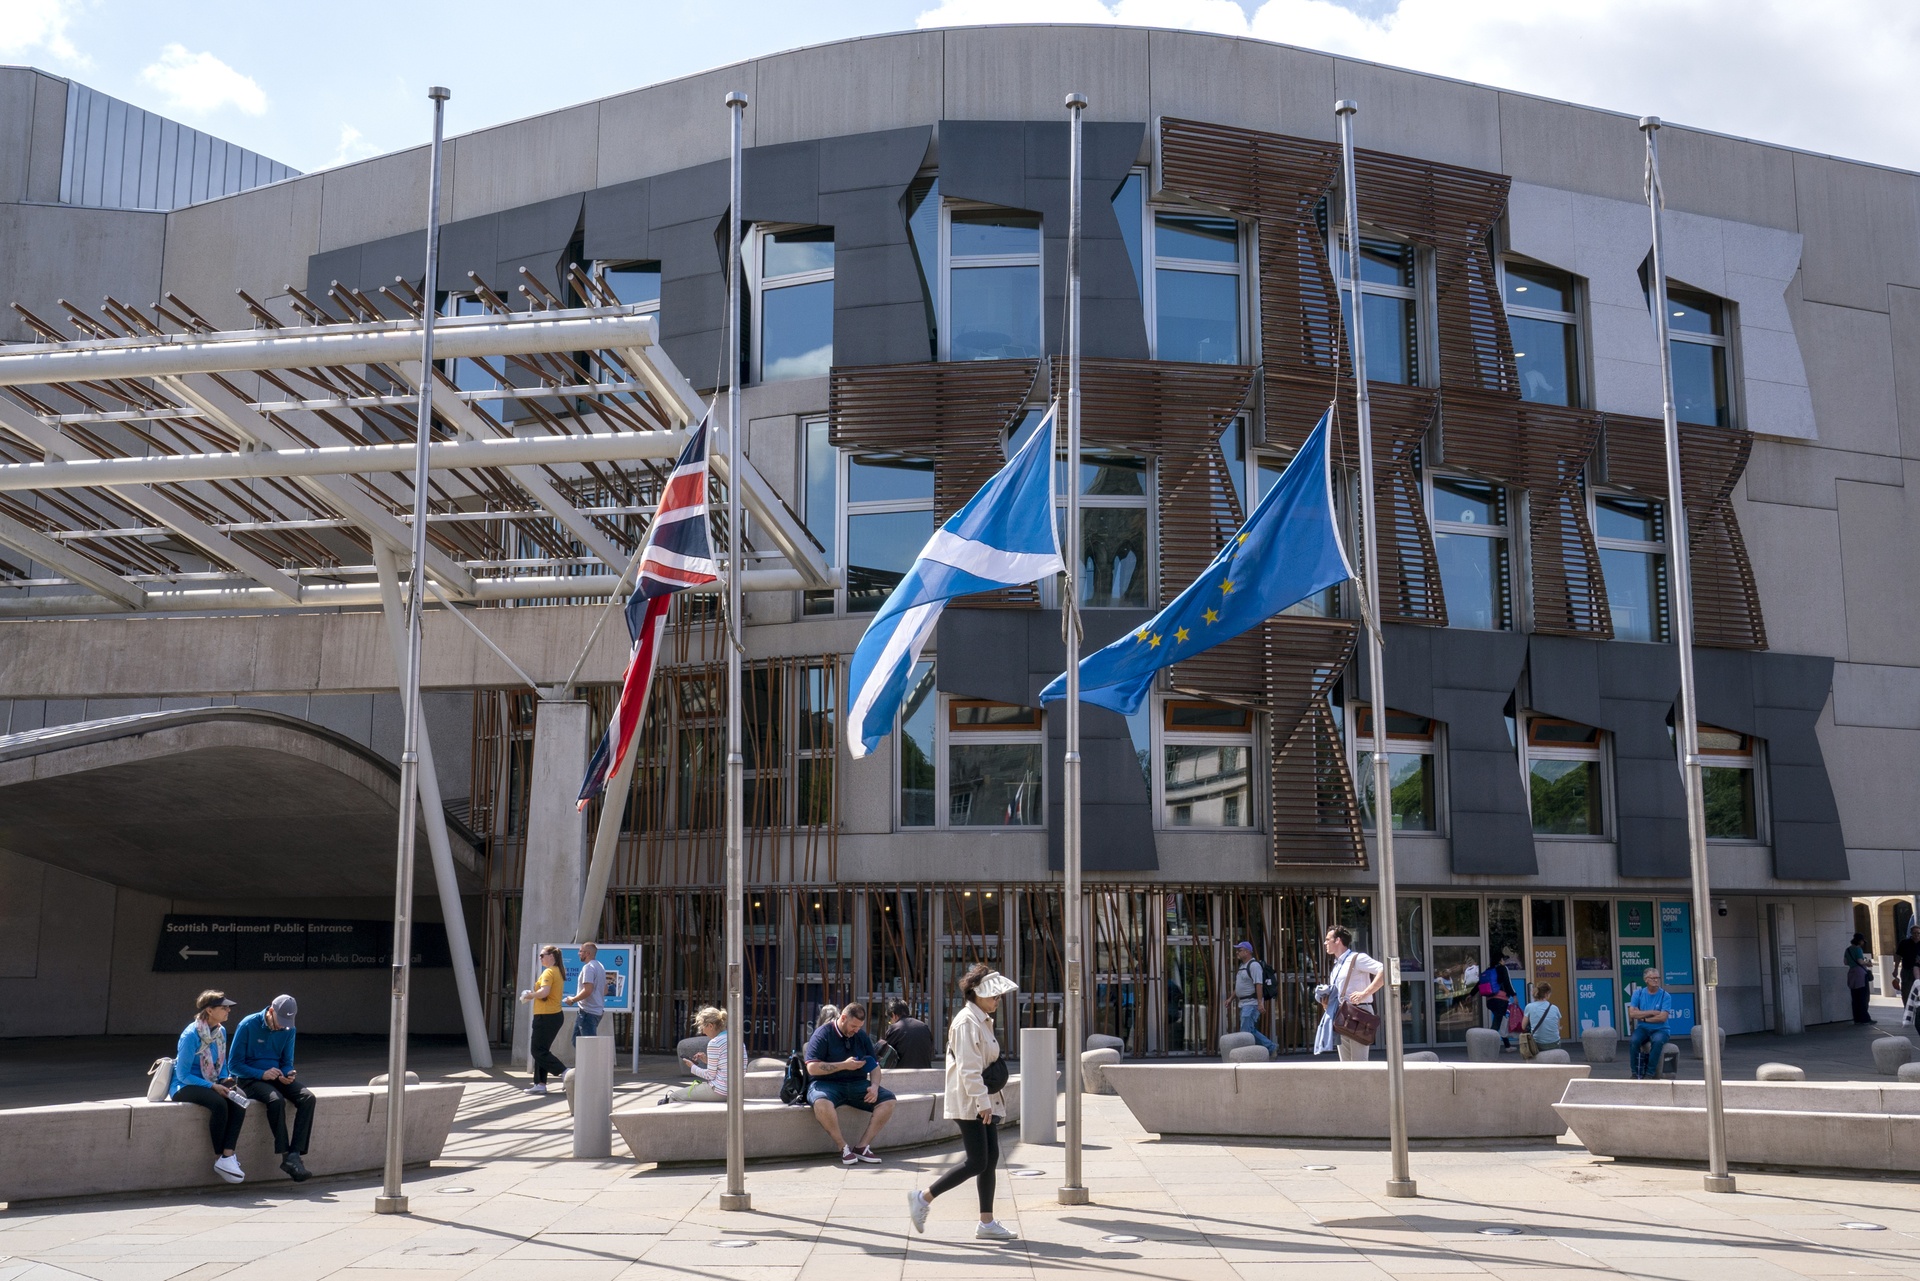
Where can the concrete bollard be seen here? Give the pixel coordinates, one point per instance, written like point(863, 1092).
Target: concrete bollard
point(1779, 1072)
point(593, 1098)
point(1890, 1052)
point(1039, 1088)
point(1483, 1045)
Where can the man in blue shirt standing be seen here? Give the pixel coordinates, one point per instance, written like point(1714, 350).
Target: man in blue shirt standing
point(262, 1061)
point(840, 1059)
point(1647, 1014)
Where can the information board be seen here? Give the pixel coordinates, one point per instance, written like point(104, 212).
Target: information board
point(1676, 943)
point(1595, 1000)
point(616, 958)
point(1635, 960)
point(203, 943)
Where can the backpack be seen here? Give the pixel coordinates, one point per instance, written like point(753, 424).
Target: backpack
point(1269, 983)
point(793, 1088)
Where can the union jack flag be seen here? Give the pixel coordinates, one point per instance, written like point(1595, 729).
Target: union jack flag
point(678, 555)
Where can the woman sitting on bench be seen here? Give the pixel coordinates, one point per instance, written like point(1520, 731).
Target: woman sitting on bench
point(200, 1076)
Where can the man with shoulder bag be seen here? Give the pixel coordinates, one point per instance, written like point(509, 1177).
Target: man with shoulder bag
point(1349, 1024)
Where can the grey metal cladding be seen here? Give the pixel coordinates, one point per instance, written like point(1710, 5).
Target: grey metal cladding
point(1023, 165)
point(1788, 692)
point(535, 236)
point(616, 221)
point(678, 220)
point(1464, 679)
point(1009, 655)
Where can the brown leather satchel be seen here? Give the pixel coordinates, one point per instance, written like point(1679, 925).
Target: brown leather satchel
point(1356, 1022)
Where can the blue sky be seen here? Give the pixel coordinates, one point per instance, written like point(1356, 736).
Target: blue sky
point(334, 80)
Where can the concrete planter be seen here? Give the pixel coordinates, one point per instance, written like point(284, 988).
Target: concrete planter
point(1093, 1066)
point(1345, 1100)
point(131, 1145)
point(1838, 1126)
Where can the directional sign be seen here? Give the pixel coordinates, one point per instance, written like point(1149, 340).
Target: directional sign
point(205, 943)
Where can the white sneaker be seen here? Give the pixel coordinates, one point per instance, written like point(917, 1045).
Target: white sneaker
point(995, 1231)
point(536, 1089)
point(917, 1207)
point(228, 1168)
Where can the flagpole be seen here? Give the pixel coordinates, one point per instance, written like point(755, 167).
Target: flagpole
point(1400, 1183)
point(1717, 1178)
point(1073, 1189)
point(392, 1199)
point(736, 1196)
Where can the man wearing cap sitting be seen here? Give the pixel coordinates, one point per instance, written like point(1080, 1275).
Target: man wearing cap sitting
point(263, 1063)
point(840, 1059)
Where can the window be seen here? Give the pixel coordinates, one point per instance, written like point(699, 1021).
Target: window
point(985, 758)
point(1410, 769)
point(468, 374)
point(1563, 775)
point(633, 283)
point(990, 308)
point(1727, 775)
point(820, 503)
point(1472, 537)
point(1546, 333)
point(1206, 752)
point(1390, 305)
point(1697, 329)
point(793, 276)
point(1116, 492)
point(889, 518)
point(1196, 304)
point(1632, 536)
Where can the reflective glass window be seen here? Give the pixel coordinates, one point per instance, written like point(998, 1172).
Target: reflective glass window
point(1631, 536)
point(918, 750)
point(796, 331)
point(1388, 279)
point(994, 313)
point(633, 283)
point(888, 479)
point(1197, 316)
point(1472, 543)
point(881, 547)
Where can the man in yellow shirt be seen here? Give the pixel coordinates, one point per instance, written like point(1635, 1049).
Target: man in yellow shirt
point(546, 995)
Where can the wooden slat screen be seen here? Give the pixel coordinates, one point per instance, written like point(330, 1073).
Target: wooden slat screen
point(1726, 602)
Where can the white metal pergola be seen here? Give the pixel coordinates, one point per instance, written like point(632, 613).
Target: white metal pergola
point(158, 464)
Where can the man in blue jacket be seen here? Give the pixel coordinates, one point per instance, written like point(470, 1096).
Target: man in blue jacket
point(262, 1061)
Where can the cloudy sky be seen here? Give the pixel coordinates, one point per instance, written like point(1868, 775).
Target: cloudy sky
point(347, 77)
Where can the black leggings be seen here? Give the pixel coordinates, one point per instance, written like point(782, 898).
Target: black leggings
point(545, 1062)
point(983, 1157)
point(224, 1119)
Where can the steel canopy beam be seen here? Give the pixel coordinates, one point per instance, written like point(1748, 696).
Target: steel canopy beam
point(117, 591)
point(322, 346)
point(341, 460)
point(363, 595)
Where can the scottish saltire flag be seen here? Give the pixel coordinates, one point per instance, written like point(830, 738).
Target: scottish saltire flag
point(677, 555)
point(1003, 537)
point(1288, 550)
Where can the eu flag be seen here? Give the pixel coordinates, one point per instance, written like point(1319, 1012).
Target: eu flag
point(1288, 550)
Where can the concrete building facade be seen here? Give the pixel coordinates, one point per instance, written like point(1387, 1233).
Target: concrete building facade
point(906, 197)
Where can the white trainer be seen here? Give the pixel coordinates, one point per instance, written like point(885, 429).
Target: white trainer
point(228, 1168)
point(917, 1211)
point(995, 1231)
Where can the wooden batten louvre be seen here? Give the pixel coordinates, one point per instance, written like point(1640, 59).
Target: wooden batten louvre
point(1315, 810)
point(955, 413)
point(1726, 602)
point(1278, 182)
point(1451, 210)
point(1543, 449)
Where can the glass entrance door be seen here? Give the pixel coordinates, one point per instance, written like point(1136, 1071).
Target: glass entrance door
point(1457, 953)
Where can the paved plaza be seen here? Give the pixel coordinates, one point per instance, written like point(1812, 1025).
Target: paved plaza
point(507, 1203)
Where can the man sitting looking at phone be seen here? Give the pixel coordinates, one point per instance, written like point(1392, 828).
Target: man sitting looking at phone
point(840, 1058)
point(262, 1062)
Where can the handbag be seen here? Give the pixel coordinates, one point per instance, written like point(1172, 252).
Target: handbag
point(1529, 1048)
point(994, 1076)
point(1515, 1020)
point(159, 1080)
point(1356, 1023)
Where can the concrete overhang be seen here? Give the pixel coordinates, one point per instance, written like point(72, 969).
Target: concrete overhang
point(212, 803)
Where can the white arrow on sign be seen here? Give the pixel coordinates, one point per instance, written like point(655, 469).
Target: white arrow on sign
point(187, 952)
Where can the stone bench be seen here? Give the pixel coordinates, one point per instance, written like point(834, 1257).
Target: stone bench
point(1345, 1100)
point(1836, 1125)
point(687, 1132)
point(131, 1145)
point(766, 1085)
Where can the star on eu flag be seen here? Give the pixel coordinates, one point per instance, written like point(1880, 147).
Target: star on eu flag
point(1212, 616)
point(1227, 587)
point(1153, 642)
point(1180, 636)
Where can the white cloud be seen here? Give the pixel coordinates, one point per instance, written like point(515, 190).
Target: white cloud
point(199, 84)
point(1840, 78)
point(38, 26)
point(353, 146)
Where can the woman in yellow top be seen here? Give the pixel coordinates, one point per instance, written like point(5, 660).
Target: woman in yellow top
point(545, 995)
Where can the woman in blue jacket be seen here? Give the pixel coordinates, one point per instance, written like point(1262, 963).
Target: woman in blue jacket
point(200, 1076)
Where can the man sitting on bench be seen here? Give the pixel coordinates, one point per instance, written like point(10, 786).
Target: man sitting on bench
point(840, 1058)
point(263, 1064)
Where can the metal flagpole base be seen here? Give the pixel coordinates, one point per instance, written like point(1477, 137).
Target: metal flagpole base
point(390, 1205)
point(736, 1200)
point(1403, 1187)
point(1075, 1196)
point(1720, 1183)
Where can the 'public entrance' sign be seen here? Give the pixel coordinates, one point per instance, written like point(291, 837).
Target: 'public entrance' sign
point(205, 943)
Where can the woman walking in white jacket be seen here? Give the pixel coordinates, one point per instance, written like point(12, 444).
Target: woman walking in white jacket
point(971, 1046)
